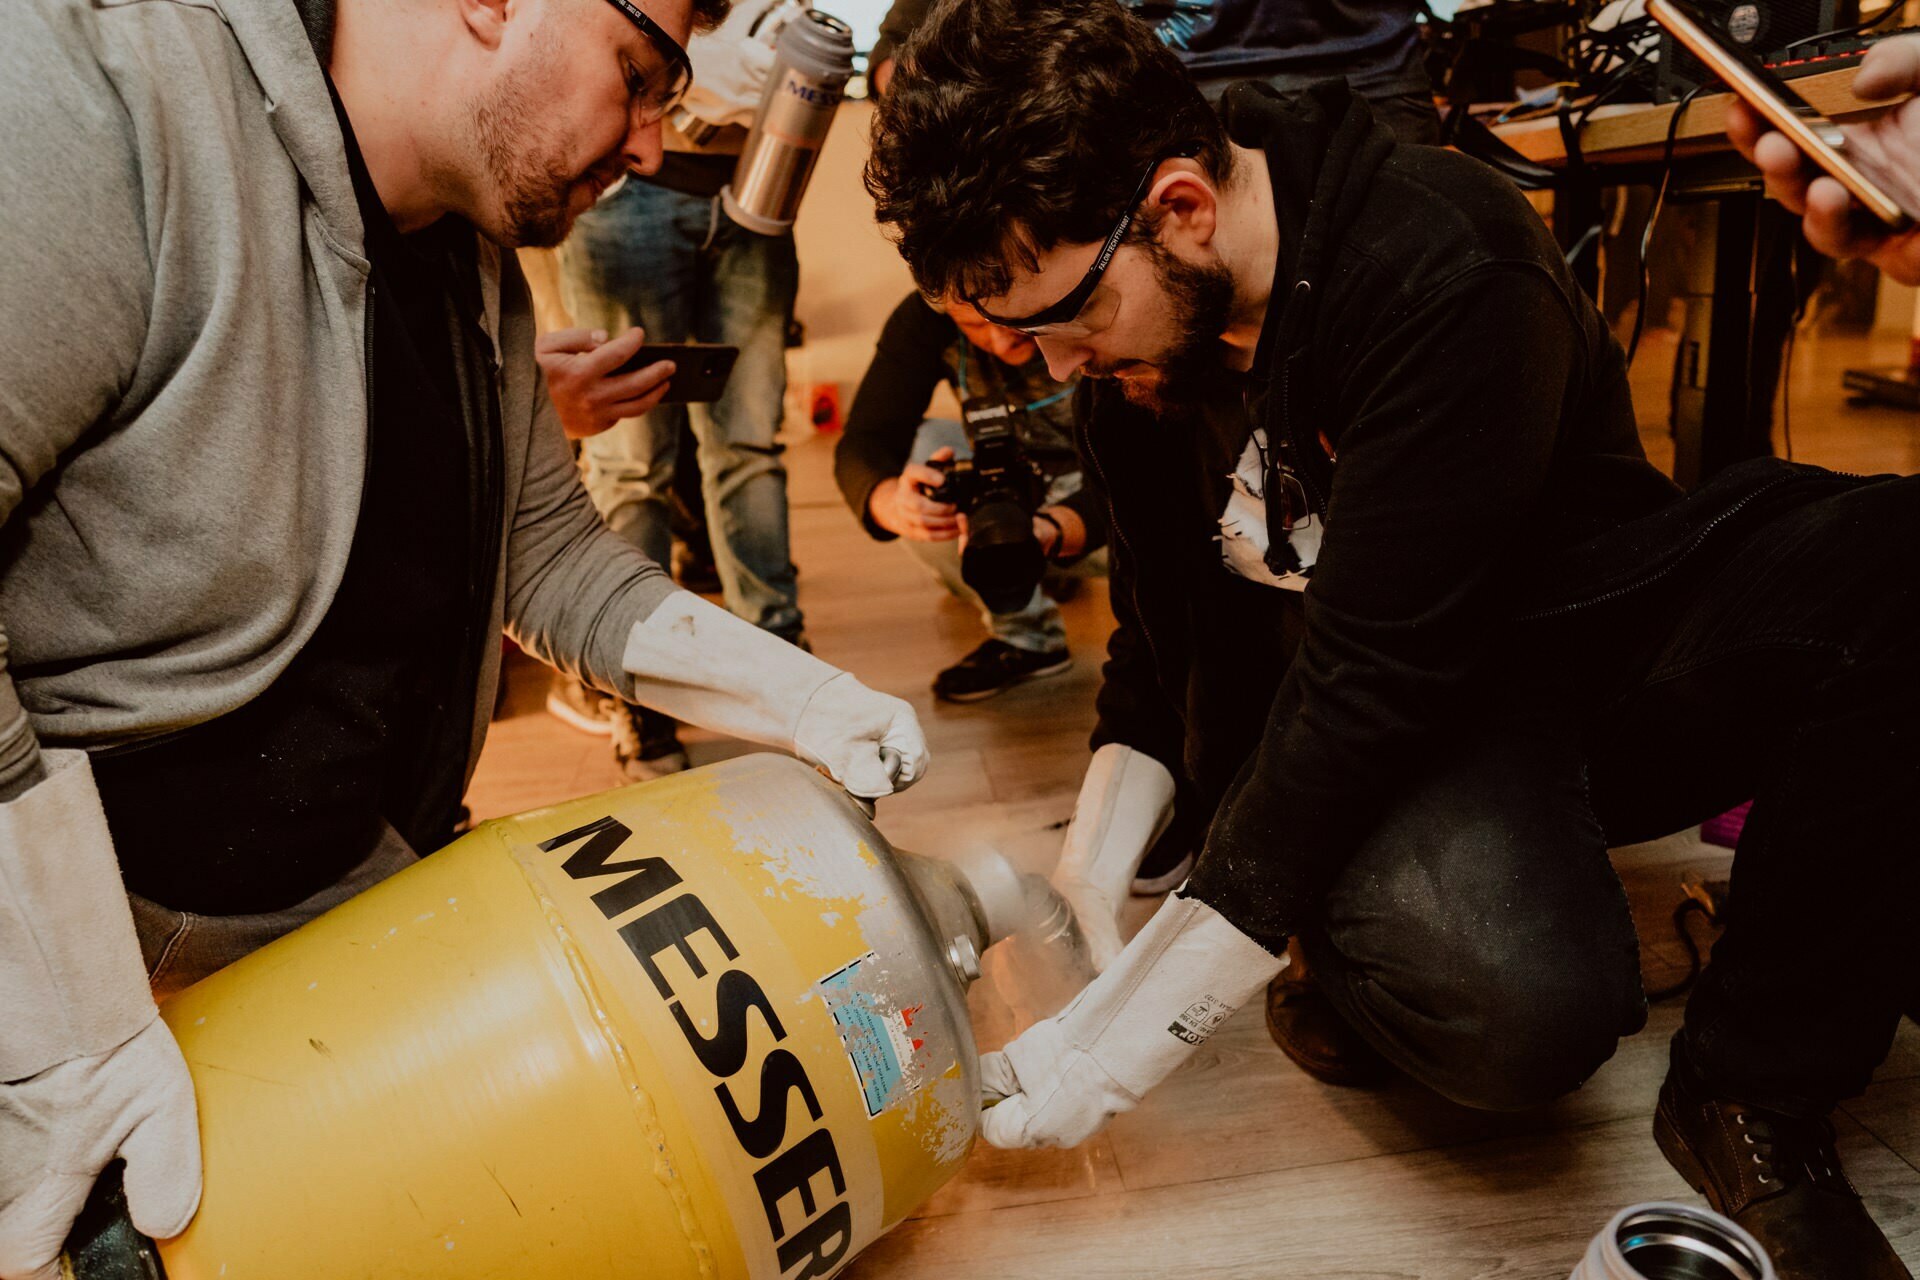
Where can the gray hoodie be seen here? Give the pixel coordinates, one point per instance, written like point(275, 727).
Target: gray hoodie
point(183, 412)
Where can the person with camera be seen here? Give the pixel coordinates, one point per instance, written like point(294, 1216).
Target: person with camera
point(277, 466)
point(895, 468)
point(1401, 599)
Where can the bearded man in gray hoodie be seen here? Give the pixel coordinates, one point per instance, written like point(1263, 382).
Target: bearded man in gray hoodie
point(277, 465)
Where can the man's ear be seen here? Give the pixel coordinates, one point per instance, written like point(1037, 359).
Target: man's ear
point(486, 20)
point(1189, 206)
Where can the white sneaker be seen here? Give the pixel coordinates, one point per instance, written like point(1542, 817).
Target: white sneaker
point(587, 710)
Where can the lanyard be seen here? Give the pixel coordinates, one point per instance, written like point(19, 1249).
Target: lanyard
point(1041, 403)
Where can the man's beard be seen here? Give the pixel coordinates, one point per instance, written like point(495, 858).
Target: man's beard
point(534, 185)
point(1199, 302)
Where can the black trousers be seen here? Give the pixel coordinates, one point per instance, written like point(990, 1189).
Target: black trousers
point(1479, 937)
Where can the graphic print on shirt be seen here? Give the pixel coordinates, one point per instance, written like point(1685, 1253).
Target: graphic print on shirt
point(1243, 525)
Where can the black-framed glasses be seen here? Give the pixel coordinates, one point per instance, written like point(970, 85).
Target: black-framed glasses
point(659, 92)
point(1064, 311)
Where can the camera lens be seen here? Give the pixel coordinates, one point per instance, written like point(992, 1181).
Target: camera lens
point(1003, 560)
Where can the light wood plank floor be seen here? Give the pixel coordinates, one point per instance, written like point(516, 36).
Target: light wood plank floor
point(1240, 1165)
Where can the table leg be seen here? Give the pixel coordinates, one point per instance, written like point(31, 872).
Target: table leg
point(1578, 223)
point(1712, 380)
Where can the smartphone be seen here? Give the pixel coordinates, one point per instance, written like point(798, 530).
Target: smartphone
point(700, 369)
point(1818, 138)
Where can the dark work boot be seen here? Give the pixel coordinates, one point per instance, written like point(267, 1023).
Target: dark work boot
point(1776, 1175)
point(1308, 1029)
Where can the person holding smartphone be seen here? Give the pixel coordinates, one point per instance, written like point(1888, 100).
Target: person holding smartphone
point(1833, 221)
point(657, 253)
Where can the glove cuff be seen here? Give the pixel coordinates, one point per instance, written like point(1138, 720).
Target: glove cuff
point(699, 663)
point(1172, 987)
point(69, 959)
point(1125, 803)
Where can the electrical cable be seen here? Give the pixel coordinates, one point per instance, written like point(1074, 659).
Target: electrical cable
point(1708, 900)
point(1653, 218)
point(1593, 54)
point(1613, 86)
point(1629, 34)
point(1843, 33)
point(1688, 906)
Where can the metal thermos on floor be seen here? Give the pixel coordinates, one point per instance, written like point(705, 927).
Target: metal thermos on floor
point(707, 1028)
point(1660, 1241)
point(813, 59)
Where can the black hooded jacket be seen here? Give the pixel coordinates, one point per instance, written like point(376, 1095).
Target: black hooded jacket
point(1460, 419)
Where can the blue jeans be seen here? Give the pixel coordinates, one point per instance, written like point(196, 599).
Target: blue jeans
point(1036, 627)
point(677, 267)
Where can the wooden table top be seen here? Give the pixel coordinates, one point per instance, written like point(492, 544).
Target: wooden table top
point(1635, 132)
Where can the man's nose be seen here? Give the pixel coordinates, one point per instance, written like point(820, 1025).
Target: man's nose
point(1063, 356)
point(643, 150)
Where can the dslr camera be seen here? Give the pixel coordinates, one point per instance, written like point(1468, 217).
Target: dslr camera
point(998, 490)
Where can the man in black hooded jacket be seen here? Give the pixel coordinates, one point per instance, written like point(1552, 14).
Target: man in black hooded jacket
point(1403, 606)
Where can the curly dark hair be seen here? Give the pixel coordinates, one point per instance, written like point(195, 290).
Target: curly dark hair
point(708, 14)
point(1013, 126)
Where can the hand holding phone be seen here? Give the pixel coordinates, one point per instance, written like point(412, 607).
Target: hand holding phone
point(700, 369)
point(593, 380)
point(1858, 185)
point(1834, 222)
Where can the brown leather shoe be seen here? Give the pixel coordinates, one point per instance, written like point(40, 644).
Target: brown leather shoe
point(1776, 1175)
point(1308, 1029)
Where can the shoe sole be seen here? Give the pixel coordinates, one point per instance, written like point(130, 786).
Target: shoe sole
point(658, 767)
point(1065, 664)
point(1666, 1136)
point(566, 714)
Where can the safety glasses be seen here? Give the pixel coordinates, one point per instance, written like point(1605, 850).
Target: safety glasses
point(1064, 318)
point(658, 90)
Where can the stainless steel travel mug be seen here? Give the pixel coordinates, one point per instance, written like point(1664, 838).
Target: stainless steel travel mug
point(812, 61)
point(1660, 1241)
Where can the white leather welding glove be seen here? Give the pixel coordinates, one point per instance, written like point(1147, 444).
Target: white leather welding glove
point(87, 1069)
point(1126, 802)
point(731, 64)
point(1060, 1081)
point(699, 663)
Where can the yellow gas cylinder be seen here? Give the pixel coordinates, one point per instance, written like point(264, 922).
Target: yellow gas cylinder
point(711, 1026)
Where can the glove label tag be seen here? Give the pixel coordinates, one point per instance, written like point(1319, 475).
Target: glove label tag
point(1201, 1019)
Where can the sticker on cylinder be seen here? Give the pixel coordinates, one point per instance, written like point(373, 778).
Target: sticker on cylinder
point(876, 1032)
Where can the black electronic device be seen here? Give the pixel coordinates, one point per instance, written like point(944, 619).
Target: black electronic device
point(700, 369)
point(1764, 28)
point(1837, 52)
point(998, 489)
point(1817, 137)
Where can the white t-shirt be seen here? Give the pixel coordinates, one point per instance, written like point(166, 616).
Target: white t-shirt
point(1243, 525)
